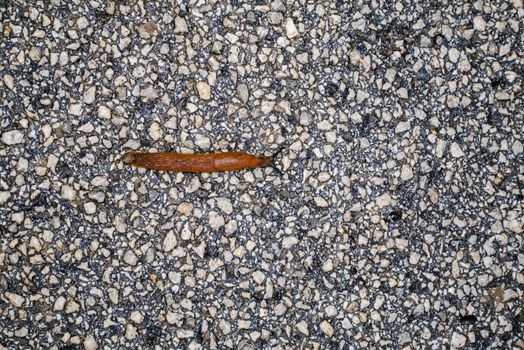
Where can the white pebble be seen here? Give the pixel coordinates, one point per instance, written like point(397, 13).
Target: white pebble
point(479, 23)
point(259, 277)
point(130, 258)
point(326, 327)
point(383, 200)
point(15, 299)
point(204, 90)
point(90, 343)
point(104, 112)
point(289, 242)
point(9, 81)
point(225, 205)
point(90, 207)
point(458, 340)
point(12, 137)
point(406, 173)
point(75, 109)
point(291, 29)
point(216, 220)
point(90, 95)
point(170, 242)
point(180, 25)
point(517, 147)
point(302, 327)
point(454, 55)
point(456, 151)
point(155, 131)
point(4, 196)
point(68, 192)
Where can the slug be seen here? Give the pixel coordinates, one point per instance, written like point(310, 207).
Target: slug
point(198, 163)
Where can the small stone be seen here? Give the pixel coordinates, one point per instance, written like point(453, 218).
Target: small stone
point(90, 208)
point(130, 258)
point(243, 92)
point(291, 29)
point(146, 30)
point(517, 147)
point(305, 118)
point(402, 127)
point(180, 25)
point(402, 93)
point(90, 343)
point(406, 173)
point(216, 220)
point(458, 340)
point(204, 90)
point(4, 196)
point(202, 141)
point(104, 112)
point(149, 93)
point(12, 137)
point(456, 151)
point(259, 277)
point(225, 205)
point(67, 192)
point(289, 242)
point(90, 95)
point(479, 23)
point(15, 299)
point(9, 81)
point(131, 332)
point(75, 109)
point(326, 327)
point(454, 55)
point(383, 200)
point(72, 306)
point(327, 266)
point(324, 125)
point(302, 327)
point(321, 202)
point(155, 131)
point(170, 242)
point(59, 303)
point(136, 316)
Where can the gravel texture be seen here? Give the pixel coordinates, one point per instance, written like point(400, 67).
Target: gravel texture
point(397, 221)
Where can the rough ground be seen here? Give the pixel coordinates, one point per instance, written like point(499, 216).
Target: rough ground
point(396, 223)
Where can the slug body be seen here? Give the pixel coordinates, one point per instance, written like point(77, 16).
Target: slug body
point(196, 163)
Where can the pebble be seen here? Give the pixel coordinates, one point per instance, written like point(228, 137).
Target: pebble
point(75, 109)
point(216, 220)
point(104, 112)
point(225, 205)
point(289, 242)
point(9, 81)
point(170, 242)
point(15, 299)
point(302, 327)
point(406, 173)
point(68, 193)
point(12, 137)
point(259, 277)
point(326, 327)
point(243, 92)
point(456, 151)
point(4, 196)
point(204, 90)
point(458, 340)
point(383, 200)
point(479, 23)
point(90, 95)
point(130, 258)
point(90, 343)
point(291, 29)
point(180, 25)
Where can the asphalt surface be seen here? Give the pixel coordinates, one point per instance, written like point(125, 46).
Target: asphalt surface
point(395, 221)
